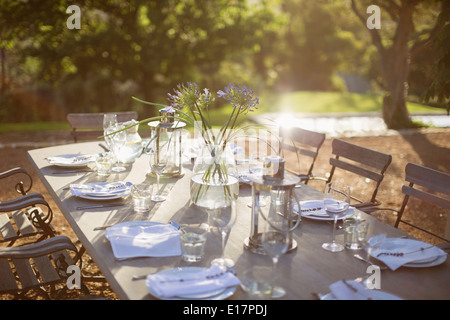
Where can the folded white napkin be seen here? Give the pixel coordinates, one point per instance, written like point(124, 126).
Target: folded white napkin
point(77, 159)
point(144, 239)
point(351, 290)
point(315, 208)
point(99, 189)
point(188, 284)
point(408, 252)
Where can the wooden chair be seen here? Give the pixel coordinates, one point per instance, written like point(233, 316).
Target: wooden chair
point(89, 126)
point(367, 163)
point(40, 267)
point(305, 144)
point(425, 184)
point(25, 216)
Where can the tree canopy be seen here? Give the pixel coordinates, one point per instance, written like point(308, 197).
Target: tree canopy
point(140, 48)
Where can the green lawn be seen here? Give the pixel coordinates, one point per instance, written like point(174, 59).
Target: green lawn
point(299, 101)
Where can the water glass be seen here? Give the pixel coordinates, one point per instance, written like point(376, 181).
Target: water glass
point(354, 228)
point(258, 282)
point(142, 197)
point(104, 165)
point(193, 240)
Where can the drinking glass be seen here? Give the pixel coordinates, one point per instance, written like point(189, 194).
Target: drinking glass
point(109, 123)
point(255, 166)
point(275, 239)
point(368, 244)
point(223, 218)
point(119, 140)
point(336, 203)
point(158, 162)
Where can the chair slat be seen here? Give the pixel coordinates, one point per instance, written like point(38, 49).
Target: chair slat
point(26, 273)
point(355, 169)
point(23, 224)
point(7, 280)
point(425, 196)
point(6, 228)
point(372, 158)
point(46, 269)
point(428, 178)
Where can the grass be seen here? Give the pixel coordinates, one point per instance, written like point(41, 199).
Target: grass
point(298, 102)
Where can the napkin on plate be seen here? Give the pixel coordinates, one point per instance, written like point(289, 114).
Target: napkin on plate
point(96, 189)
point(78, 159)
point(132, 240)
point(409, 252)
point(214, 278)
point(351, 290)
point(314, 208)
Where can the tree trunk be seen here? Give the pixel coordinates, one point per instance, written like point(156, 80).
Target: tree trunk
point(395, 66)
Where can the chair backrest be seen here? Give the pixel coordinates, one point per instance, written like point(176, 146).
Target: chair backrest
point(305, 144)
point(90, 125)
point(367, 163)
point(426, 185)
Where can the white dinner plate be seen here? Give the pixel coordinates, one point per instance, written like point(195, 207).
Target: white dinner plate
point(69, 160)
point(220, 294)
point(399, 243)
point(377, 295)
point(321, 217)
point(104, 196)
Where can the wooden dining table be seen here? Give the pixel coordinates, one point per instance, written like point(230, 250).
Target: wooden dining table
point(303, 273)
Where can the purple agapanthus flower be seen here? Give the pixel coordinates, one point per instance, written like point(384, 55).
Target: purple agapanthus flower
point(240, 97)
point(185, 95)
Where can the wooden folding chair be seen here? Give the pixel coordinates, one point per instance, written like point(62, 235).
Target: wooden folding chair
point(305, 144)
point(426, 185)
point(25, 216)
point(41, 267)
point(89, 126)
point(364, 162)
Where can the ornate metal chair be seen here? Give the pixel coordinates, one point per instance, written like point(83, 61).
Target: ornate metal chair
point(90, 125)
point(28, 215)
point(46, 267)
point(306, 145)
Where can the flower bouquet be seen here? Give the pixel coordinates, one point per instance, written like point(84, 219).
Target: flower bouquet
point(212, 180)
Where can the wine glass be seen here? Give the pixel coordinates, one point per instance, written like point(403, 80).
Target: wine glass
point(275, 240)
point(336, 203)
point(158, 162)
point(223, 216)
point(109, 123)
point(119, 140)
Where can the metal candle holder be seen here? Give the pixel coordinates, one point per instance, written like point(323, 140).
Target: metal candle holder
point(281, 186)
point(168, 133)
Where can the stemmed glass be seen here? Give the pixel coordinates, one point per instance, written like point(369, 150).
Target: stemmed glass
point(275, 239)
point(336, 203)
point(118, 140)
point(158, 162)
point(109, 123)
point(223, 217)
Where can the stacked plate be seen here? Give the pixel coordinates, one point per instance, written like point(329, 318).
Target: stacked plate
point(72, 160)
point(401, 252)
point(101, 190)
point(315, 210)
point(187, 283)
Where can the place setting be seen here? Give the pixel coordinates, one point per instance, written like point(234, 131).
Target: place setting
point(149, 239)
point(72, 160)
